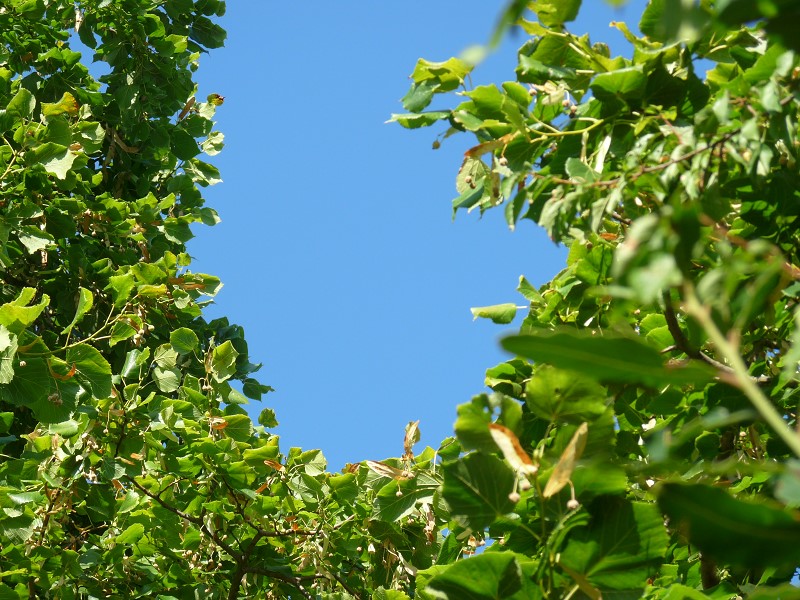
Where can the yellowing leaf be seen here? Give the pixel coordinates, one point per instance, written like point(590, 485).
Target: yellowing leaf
point(512, 450)
point(411, 438)
point(566, 464)
point(67, 105)
point(385, 470)
point(218, 423)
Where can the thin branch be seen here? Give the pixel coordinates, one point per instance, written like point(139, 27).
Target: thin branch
point(740, 377)
point(682, 343)
point(296, 582)
point(237, 556)
point(157, 497)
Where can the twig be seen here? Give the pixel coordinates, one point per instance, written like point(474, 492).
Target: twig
point(740, 376)
point(237, 556)
point(682, 343)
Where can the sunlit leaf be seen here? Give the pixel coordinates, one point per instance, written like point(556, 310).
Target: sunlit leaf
point(566, 463)
point(512, 450)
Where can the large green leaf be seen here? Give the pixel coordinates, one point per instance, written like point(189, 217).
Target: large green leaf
point(223, 361)
point(556, 12)
point(22, 104)
point(59, 404)
point(623, 545)
point(477, 489)
point(557, 395)
point(472, 424)
point(731, 530)
point(627, 83)
point(183, 340)
point(31, 383)
point(605, 357)
point(17, 315)
point(489, 576)
point(398, 499)
point(92, 369)
point(447, 75)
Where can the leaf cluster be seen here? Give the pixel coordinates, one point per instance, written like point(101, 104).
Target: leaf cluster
point(643, 442)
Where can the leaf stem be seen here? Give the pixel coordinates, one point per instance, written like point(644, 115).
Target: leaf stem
point(740, 377)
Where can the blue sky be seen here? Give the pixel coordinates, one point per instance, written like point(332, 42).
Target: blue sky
point(337, 247)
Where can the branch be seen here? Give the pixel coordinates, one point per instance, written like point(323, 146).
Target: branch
point(296, 582)
point(682, 343)
point(237, 556)
point(740, 377)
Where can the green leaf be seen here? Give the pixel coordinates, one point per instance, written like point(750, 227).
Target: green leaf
point(382, 594)
point(628, 84)
point(607, 357)
point(85, 302)
point(16, 316)
point(476, 488)
point(30, 9)
point(267, 418)
point(557, 395)
point(121, 287)
point(420, 95)
point(6, 419)
point(471, 175)
point(415, 121)
point(184, 145)
point(21, 105)
point(556, 12)
point(223, 361)
point(56, 159)
point(121, 331)
point(623, 545)
point(65, 428)
point(202, 172)
point(472, 424)
point(183, 340)
point(131, 535)
point(501, 314)
point(59, 405)
point(399, 498)
point(8, 350)
point(254, 390)
point(30, 384)
point(490, 576)
point(239, 427)
point(734, 531)
point(33, 238)
point(579, 170)
point(167, 379)
point(447, 75)
point(92, 370)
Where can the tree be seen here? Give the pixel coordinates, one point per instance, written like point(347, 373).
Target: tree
point(656, 375)
point(648, 424)
point(129, 467)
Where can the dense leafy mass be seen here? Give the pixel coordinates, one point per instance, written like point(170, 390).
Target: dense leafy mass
point(648, 424)
point(642, 443)
point(129, 467)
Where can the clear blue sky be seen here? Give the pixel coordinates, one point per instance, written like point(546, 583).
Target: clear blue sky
point(336, 246)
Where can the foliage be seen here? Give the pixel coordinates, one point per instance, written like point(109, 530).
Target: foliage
point(130, 467)
point(657, 374)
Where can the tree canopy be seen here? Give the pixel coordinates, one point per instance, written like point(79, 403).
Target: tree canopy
point(643, 441)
